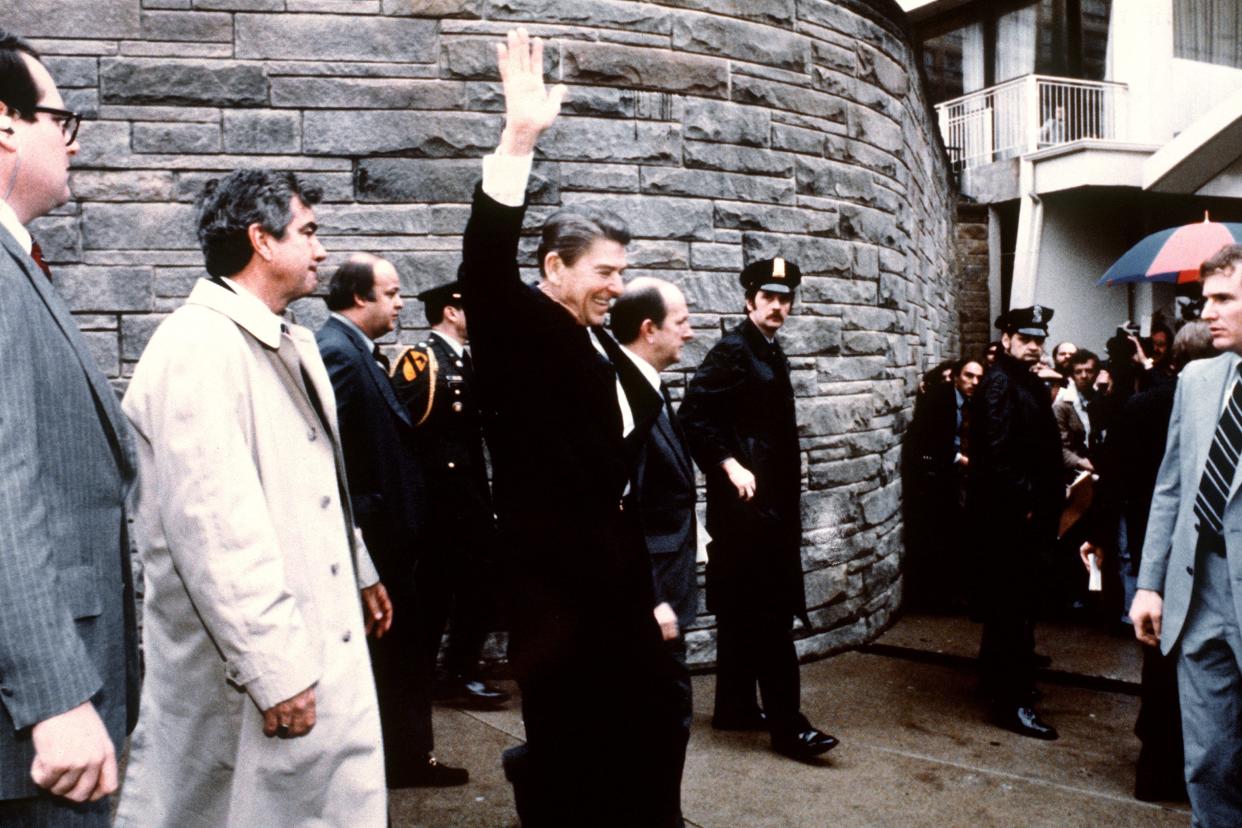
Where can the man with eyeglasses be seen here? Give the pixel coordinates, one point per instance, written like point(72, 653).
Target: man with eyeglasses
point(68, 647)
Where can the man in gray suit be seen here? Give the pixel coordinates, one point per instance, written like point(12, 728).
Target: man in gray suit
point(1186, 600)
point(652, 323)
point(68, 649)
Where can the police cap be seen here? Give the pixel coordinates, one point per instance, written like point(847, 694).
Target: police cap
point(443, 295)
point(773, 275)
point(1032, 321)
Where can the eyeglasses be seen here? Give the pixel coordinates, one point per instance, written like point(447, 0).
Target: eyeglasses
point(69, 121)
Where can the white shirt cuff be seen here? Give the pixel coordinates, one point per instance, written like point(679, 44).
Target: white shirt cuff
point(505, 177)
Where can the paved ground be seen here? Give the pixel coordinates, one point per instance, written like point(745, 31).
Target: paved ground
point(915, 747)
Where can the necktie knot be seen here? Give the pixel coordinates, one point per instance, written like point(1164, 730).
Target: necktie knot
point(36, 253)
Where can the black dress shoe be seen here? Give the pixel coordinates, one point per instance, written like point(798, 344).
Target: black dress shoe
point(470, 693)
point(755, 720)
point(428, 773)
point(804, 745)
point(1025, 721)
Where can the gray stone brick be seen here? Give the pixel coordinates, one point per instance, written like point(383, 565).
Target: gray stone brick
point(95, 321)
point(785, 96)
point(262, 132)
point(434, 8)
point(876, 129)
point(657, 254)
point(194, 82)
point(635, 17)
point(334, 6)
point(834, 415)
point(709, 256)
point(779, 12)
point(409, 179)
point(136, 332)
point(589, 139)
point(838, 291)
point(816, 256)
point(367, 93)
point(724, 122)
point(475, 57)
point(796, 139)
point(98, 289)
point(606, 178)
point(645, 68)
point(195, 27)
point(70, 72)
point(423, 269)
point(240, 5)
point(136, 185)
point(372, 220)
point(166, 138)
point(741, 216)
point(335, 37)
point(59, 237)
point(811, 335)
point(655, 217)
point(73, 18)
point(731, 158)
point(678, 181)
point(878, 68)
point(829, 179)
point(713, 34)
point(346, 132)
point(158, 226)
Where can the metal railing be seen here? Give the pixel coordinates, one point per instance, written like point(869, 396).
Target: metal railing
point(1028, 114)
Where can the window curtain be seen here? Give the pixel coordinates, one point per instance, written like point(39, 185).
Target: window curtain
point(972, 57)
point(1015, 43)
point(1209, 31)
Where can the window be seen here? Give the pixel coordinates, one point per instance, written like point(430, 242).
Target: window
point(1209, 31)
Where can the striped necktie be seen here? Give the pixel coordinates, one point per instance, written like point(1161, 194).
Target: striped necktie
point(1222, 461)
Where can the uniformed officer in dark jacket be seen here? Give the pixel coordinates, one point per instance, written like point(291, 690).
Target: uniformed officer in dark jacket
point(457, 570)
point(1016, 495)
point(739, 418)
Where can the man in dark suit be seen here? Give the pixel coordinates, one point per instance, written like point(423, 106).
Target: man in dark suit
point(582, 634)
point(740, 420)
point(456, 574)
point(388, 496)
point(652, 323)
point(936, 462)
point(68, 647)
point(1016, 492)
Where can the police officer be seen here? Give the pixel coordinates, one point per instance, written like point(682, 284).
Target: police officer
point(456, 570)
point(740, 422)
point(1015, 499)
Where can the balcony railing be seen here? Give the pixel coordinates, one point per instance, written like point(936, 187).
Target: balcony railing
point(1028, 114)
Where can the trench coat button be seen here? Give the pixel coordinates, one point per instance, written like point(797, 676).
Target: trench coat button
point(460, 364)
point(457, 391)
point(452, 465)
point(325, 502)
point(335, 568)
point(347, 636)
point(311, 435)
point(456, 408)
point(1190, 570)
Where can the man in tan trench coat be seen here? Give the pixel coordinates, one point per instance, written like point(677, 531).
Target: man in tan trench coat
point(258, 707)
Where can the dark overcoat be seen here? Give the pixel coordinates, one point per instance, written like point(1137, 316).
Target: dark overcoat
point(740, 404)
point(1016, 488)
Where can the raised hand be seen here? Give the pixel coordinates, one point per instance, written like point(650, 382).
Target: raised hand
point(530, 107)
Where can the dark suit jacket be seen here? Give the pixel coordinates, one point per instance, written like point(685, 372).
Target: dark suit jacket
point(740, 404)
point(930, 441)
point(377, 437)
point(67, 629)
point(664, 488)
point(560, 466)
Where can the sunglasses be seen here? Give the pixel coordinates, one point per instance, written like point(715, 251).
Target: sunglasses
point(69, 121)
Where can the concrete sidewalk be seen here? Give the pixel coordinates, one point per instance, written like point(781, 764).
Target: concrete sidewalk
point(916, 748)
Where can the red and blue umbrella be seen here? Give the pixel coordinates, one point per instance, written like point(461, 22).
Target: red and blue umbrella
point(1172, 255)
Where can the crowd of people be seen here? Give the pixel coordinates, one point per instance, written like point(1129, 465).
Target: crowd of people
point(312, 514)
point(1034, 480)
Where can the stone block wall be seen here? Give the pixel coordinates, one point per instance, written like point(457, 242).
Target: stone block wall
point(723, 130)
point(973, 301)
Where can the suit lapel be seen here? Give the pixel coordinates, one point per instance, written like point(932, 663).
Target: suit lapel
point(378, 377)
point(115, 423)
point(673, 445)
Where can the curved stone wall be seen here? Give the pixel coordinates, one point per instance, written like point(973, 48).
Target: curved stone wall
point(723, 130)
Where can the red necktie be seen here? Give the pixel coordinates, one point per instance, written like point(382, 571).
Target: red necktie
point(36, 253)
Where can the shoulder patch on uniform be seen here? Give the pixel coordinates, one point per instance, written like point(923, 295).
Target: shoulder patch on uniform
point(413, 377)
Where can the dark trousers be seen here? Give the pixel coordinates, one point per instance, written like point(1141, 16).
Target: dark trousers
point(757, 649)
point(569, 773)
point(455, 589)
point(47, 811)
point(1160, 768)
point(403, 685)
point(1006, 654)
